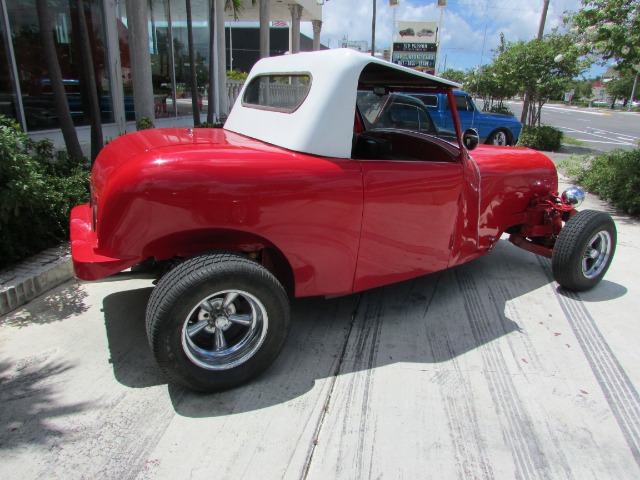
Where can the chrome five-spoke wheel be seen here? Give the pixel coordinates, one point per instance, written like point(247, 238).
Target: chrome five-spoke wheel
point(224, 330)
point(596, 255)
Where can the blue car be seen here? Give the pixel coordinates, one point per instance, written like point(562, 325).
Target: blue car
point(493, 128)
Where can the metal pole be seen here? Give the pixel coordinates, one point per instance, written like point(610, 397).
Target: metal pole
point(543, 18)
point(13, 68)
point(230, 47)
point(435, 71)
point(633, 92)
point(172, 62)
point(373, 31)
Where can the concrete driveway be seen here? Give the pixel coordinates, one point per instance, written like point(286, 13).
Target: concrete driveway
point(484, 371)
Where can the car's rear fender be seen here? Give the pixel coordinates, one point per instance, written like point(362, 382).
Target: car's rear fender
point(186, 244)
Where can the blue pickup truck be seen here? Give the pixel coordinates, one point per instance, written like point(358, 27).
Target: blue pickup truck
point(493, 128)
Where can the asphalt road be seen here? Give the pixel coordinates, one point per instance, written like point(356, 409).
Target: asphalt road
point(599, 128)
point(483, 371)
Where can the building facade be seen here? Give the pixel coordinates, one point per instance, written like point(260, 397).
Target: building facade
point(26, 92)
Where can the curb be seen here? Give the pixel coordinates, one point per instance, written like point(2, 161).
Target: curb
point(34, 276)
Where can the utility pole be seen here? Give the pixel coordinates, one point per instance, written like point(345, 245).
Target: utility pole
point(543, 18)
point(527, 100)
point(373, 31)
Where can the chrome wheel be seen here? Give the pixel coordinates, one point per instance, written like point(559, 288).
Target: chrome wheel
point(224, 330)
point(596, 255)
point(499, 138)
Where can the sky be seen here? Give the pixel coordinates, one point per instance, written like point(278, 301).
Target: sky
point(470, 28)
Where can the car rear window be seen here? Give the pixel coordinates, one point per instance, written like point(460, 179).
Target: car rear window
point(283, 93)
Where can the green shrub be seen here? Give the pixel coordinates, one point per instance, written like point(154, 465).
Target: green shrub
point(614, 176)
point(544, 138)
point(145, 123)
point(237, 75)
point(209, 125)
point(38, 188)
point(501, 109)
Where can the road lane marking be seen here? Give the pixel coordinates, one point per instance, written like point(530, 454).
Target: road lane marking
point(606, 138)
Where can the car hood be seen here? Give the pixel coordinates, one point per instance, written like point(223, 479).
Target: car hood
point(498, 160)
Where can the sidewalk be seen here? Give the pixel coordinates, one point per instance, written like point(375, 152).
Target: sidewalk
point(34, 276)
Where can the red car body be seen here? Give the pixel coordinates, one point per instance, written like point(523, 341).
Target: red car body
point(331, 226)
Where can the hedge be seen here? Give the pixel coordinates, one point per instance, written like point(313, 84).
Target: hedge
point(38, 188)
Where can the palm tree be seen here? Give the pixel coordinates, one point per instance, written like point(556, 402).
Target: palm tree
point(57, 86)
point(89, 78)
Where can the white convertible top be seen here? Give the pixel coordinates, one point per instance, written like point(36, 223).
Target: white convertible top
point(323, 123)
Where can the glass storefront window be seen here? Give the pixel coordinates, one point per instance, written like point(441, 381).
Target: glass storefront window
point(200, 15)
point(7, 95)
point(35, 84)
point(162, 70)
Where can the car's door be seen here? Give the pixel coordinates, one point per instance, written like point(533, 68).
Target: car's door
point(413, 188)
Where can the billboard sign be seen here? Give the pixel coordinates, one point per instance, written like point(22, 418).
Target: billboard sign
point(416, 45)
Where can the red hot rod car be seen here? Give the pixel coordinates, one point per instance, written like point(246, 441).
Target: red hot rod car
point(324, 181)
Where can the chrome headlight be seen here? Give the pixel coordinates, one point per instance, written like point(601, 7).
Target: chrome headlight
point(573, 196)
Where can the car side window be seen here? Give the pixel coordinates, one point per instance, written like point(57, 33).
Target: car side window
point(282, 93)
point(426, 126)
point(462, 104)
point(403, 116)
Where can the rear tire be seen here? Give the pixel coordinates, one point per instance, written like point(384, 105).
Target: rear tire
point(584, 250)
point(217, 321)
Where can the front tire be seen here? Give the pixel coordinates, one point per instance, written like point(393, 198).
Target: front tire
point(584, 250)
point(217, 321)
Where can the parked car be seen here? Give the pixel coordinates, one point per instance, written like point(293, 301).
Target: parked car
point(301, 194)
point(493, 128)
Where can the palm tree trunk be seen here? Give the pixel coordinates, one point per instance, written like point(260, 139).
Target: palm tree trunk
point(88, 76)
point(195, 106)
point(57, 86)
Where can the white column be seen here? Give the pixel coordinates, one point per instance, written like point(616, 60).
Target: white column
point(222, 59)
point(265, 46)
point(296, 15)
point(317, 28)
point(114, 65)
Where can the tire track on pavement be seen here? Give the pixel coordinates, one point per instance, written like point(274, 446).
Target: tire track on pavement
point(618, 390)
point(519, 434)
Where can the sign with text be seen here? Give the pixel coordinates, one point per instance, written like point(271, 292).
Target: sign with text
point(416, 45)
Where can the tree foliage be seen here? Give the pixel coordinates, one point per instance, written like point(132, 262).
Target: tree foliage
point(610, 28)
point(542, 69)
point(454, 75)
point(621, 86)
